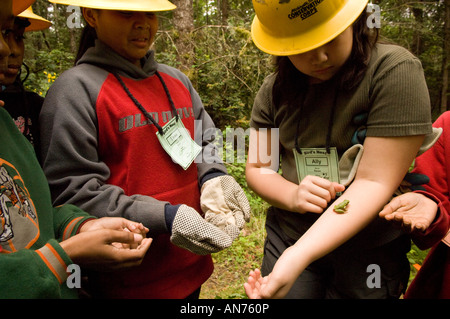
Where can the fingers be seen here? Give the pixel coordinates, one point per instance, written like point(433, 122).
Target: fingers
point(123, 256)
point(115, 237)
point(252, 286)
point(315, 193)
point(410, 211)
point(390, 208)
point(115, 223)
point(134, 227)
point(337, 188)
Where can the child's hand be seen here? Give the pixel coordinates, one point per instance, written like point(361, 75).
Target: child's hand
point(314, 194)
point(116, 223)
point(256, 285)
point(269, 287)
point(105, 249)
point(411, 211)
point(280, 281)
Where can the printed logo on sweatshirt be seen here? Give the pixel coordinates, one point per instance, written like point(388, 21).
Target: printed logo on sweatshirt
point(24, 126)
point(138, 120)
point(19, 227)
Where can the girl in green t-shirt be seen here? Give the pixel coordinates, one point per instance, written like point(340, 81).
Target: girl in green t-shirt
point(330, 69)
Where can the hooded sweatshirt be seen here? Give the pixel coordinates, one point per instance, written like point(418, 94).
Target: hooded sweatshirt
point(101, 153)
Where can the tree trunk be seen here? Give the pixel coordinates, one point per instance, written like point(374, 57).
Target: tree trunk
point(417, 46)
point(224, 11)
point(183, 21)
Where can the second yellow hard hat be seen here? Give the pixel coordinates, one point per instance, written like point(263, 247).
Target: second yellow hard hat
point(289, 27)
point(124, 5)
point(36, 22)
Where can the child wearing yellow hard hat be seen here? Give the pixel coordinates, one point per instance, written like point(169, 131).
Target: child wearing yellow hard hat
point(38, 242)
point(23, 106)
point(126, 136)
point(332, 79)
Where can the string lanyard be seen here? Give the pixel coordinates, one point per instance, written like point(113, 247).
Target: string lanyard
point(330, 123)
point(142, 109)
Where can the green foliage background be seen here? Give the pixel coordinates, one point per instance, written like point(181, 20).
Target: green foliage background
point(227, 73)
point(228, 69)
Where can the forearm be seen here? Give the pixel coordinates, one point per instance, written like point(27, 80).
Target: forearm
point(333, 229)
point(271, 186)
point(111, 201)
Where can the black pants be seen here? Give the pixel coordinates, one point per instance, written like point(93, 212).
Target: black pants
point(376, 273)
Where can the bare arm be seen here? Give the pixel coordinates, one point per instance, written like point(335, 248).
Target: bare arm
point(382, 167)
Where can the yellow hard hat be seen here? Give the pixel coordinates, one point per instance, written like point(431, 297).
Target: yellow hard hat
point(124, 5)
point(36, 22)
point(289, 27)
point(21, 5)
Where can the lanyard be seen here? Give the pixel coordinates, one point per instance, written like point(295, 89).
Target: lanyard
point(142, 109)
point(330, 123)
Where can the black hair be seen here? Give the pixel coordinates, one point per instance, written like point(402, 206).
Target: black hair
point(87, 40)
point(290, 82)
point(22, 22)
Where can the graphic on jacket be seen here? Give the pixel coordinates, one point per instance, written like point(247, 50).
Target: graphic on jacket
point(19, 228)
point(24, 125)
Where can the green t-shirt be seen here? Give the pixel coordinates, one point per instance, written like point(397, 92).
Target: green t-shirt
point(393, 93)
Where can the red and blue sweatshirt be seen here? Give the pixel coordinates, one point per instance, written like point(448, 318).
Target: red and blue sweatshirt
point(101, 153)
point(433, 279)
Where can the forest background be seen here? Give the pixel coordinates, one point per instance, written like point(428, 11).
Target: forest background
point(210, 41)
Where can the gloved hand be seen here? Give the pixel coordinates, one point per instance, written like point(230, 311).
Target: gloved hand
point(190, 231)
point(224, 203)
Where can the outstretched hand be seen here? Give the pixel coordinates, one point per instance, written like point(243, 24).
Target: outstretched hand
point(268, 287)
point(411, 211)
point(280, 281)
point(255, 285)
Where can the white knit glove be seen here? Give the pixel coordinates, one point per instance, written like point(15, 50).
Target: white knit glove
point(190, 231)
point(224, 203)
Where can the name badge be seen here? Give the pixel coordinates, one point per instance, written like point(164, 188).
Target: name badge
point(317, 162)
point(177, 142)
